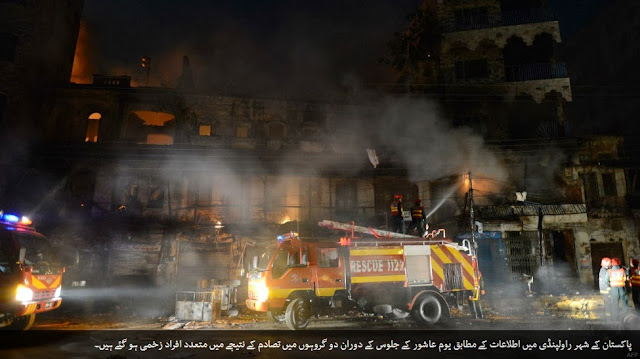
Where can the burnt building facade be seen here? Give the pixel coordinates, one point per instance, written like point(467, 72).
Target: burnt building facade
point(204, 158)
point(493, 65)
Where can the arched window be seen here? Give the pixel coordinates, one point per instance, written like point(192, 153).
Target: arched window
point(93, 124)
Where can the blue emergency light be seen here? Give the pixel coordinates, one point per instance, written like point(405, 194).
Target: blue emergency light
point(282, 237)
point(12, 218)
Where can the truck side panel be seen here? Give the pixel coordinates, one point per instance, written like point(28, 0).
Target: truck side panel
point(451, 269)
point(377, 264)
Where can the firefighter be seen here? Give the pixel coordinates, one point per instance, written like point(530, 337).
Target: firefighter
point(635, 284)
point(603, 282)
point(617, 280)
point(474, 300)
point(397, 223)
point(417, 218)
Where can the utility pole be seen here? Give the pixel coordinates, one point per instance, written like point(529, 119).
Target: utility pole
point(473, 223)
point(540, 235)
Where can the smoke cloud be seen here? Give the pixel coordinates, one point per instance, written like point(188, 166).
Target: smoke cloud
point(280, 48)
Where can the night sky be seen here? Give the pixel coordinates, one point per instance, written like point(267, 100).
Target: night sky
point(281, 47)
point(254, 43)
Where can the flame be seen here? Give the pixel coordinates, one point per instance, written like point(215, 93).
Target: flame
point(154, 118)
point(83, 67)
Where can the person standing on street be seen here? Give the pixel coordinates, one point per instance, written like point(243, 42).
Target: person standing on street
point(603, 283)
point(617, 281)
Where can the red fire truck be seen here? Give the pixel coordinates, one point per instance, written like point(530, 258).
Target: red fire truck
point(30, 273)
point(395, 273)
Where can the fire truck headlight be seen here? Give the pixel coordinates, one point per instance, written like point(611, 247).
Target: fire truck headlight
point(58, 292)
point(262, 292)
point(24, 294)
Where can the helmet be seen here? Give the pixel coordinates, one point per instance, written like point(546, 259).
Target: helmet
point(398, 196)
point(615, 262)
point(418, 201)
point(605, 262)
point(634, 262)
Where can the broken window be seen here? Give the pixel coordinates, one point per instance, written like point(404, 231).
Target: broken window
point(8, 45)
point(242, 131)
point(156, 196)
point(82, 186)
point(346, 199)
point(150, 127)
point(346, 195)
point(204, 192)
point(199, 192)
point(472, 69)
point(93, 125)
point(131, 193)
point(609, 184)
point(125, 194)
point(204, 130)
point(591, 194)
point(274, 197)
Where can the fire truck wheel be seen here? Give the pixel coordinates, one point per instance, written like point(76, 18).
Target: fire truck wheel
point(22, 323)
point(298, 314)
point(427, 309)
point(276, 316)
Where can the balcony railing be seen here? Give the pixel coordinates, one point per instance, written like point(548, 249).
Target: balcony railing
point(506, 18)
point(528, 72)
point(527, 16)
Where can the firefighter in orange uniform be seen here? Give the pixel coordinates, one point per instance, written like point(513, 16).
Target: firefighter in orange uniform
point(635, 284)
point(417, 219)
point(617, 280)
point(397, 224)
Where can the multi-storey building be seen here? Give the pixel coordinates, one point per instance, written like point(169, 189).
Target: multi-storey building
point(204, 158)
point(492, 63)
point(250, 162)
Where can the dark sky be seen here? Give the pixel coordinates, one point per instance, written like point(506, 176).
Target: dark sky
point(233, 43)
point(283, 46)
point(573, 15)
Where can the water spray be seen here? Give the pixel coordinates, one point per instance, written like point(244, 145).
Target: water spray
point(448, 194)
point(48, 196)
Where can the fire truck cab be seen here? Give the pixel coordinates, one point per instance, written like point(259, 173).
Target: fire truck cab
point(296, 279)
point(30, 273)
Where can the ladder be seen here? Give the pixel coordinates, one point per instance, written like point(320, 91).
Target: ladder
point(378, 233)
